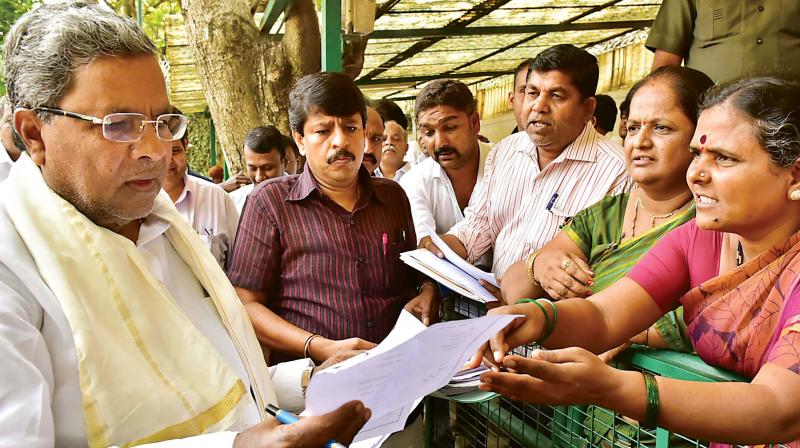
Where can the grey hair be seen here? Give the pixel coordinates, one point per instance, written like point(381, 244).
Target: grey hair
point(46, 46)
point(774, 105)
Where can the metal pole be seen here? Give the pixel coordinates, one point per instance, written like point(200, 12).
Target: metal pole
point(212, 143)
point(139, 15)
point(332, 35)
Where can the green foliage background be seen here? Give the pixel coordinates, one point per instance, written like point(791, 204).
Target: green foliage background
point(10, 11)
point(199, 155)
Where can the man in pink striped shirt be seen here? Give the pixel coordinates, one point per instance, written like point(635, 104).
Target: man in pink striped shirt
point(534, 181)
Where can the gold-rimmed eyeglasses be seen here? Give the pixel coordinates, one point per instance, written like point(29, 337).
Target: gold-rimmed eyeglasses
point(127, 127)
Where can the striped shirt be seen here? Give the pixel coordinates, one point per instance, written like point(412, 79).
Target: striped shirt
point(322, 268)
point(519, 208)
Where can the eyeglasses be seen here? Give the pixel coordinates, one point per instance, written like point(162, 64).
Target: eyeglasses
point(129, 127)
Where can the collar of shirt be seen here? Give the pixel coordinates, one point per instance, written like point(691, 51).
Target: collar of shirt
point(186, 194)
point(151, 228)
point(307, 184)
point(583, 148)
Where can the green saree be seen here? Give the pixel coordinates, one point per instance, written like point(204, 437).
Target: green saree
point(598, 232)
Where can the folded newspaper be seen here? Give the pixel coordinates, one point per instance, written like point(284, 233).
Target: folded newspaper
point(452, 270)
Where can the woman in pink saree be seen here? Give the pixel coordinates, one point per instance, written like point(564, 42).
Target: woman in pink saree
point(735, 269)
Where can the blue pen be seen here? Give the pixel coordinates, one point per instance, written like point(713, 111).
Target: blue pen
point(287, 418)
point(551, 202)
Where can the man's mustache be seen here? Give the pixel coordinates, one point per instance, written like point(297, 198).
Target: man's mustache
point(369, 157)
point(444, 150)
point(340, 153)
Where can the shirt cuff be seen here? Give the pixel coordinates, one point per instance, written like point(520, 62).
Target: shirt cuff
point(287, 382)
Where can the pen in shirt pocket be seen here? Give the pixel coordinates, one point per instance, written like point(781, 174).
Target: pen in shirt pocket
point(385, 242)
point(551, 202)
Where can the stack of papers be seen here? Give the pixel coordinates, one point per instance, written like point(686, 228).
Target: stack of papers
point(464, 382)
point(452, 270)
point(391, 379)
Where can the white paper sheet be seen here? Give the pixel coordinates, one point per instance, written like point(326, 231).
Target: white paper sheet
point(447, 273)
point(460, 263)
point(390, 379)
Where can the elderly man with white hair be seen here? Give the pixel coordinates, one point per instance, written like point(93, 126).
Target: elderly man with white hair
point(117, 326)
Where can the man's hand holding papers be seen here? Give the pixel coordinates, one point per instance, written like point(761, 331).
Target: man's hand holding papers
point(447, 267)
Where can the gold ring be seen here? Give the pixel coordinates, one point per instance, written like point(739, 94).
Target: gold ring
point(566, 264)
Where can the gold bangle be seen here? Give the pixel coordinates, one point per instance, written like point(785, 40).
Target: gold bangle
point(307, 346)
point(529, 266)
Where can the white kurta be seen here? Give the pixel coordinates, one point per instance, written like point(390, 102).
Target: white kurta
point(212, 213)
point(40, 396)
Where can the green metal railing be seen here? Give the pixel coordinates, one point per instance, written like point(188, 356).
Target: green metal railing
point(502, 423)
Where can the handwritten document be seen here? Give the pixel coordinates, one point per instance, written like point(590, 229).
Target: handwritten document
point(411, 363)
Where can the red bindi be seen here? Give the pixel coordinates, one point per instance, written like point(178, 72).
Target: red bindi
point(703, 139)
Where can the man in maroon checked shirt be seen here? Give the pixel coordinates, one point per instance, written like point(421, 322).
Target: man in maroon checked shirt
point(316, 259)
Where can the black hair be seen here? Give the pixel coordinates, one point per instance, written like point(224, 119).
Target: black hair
point(624, 109)
point(773, 103)
point(687, 84)
point(390, 111)
point(605, 112)
point(265, 139)
point(185, 138)
point(290, 145)
point(328, 92)
point(523, 66)
point(577, 63)
point(445, 92)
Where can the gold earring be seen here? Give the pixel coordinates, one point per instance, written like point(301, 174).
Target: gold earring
point(795, 195)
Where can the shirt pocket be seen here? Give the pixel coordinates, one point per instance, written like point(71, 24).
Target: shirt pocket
point(218, 245)
point(717, 19)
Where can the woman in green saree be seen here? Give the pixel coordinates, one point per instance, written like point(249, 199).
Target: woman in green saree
point(604, 241)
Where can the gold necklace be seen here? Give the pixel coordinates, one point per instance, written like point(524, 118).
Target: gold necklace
point(652, 216)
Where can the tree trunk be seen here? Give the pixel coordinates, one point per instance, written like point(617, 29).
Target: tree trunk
point(246, 74)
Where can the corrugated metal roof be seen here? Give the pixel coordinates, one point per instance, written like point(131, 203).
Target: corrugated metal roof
point(472, 40)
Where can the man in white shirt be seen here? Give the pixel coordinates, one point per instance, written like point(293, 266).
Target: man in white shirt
point(204, 205)
point(516, 98)
point(395, 145)
point(373, 134)
point(9, 152)
point(536, 181)
point(395, 141)
point(265, 157)
point(439, 188)
point(118, 328)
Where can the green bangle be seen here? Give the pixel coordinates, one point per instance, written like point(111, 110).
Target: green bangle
point(653, 404)
point(554, 321)
point(549, 325)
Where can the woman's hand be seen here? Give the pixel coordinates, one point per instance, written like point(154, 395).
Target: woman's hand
point(557, 377)
point(563, 275)
point(610, 355)
point(522, 330)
